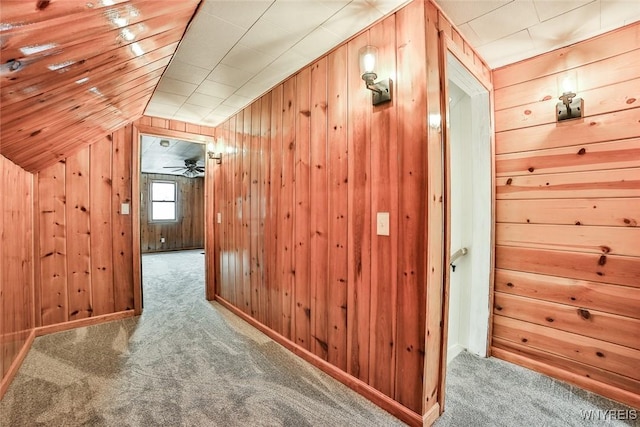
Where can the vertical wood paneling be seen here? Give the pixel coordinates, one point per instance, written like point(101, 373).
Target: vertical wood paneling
point(287, 208)
point(564, 223)
point(384, 198)
point(338, 171)
point(434, 368)
point(264, 229)
point(246, 209)
point(318, 225)
point(254, 213)
point(53, 244)
point(412, 153)
point(16, 264)
point(359, 220)
point(327, 281)
point(79, 235)
point(122, 231)
point(4, 331)
point(238, 232)
point(101, 248)
point(225, 231)
point(275, 255)
point(303, 238)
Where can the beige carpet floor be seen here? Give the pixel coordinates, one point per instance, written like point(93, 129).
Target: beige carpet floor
point(184, 362)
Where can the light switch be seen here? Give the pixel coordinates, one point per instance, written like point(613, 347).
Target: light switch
point(383, 223)
point(219, 217)
point(124, 209)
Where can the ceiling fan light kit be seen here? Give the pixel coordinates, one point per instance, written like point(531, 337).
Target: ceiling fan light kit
point(191, 168)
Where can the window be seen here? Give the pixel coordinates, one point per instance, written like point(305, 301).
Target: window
point(163, 201)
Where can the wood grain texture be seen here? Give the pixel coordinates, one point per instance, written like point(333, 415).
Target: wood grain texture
point(302, 231)
point(78, 219)
point(359, 217)
point(101, 228)
point(16, 269)
point(615, 212)
point(338, 214)
point(577, 293)
point(567, 261)
point(412, 269)
point(318, 229)
point(53, 245)
point(384, 198)
point(62, 116)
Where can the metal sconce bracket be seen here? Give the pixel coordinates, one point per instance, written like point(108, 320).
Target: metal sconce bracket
point(218, 158)
point(381, 91)
point(569, 108)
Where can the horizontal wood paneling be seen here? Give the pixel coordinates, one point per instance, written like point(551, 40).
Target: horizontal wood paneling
point(185, 233)
point(574, 292)
point(620, 212)
point(590, 323)
point(567, 277)
point(603, 240)
point(16, 268)
point(601, 184)
point(611, 357)
point(589, 157)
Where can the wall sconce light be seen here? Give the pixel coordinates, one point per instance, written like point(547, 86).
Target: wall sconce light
point(570, 107)
point(212, 155)
point(381, 89)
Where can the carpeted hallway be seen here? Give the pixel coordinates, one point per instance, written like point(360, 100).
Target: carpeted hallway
point(184, 362)
point(188, 362)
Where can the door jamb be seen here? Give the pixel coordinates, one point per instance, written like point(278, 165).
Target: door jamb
point(447, 45)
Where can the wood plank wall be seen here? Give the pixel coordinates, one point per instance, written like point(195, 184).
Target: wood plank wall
point(297, 248)
point(188, 231)
point(84, 248)
point(16, 266)
point(567, 286)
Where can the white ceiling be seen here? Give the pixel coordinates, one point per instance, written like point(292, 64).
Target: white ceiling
point(236, 50)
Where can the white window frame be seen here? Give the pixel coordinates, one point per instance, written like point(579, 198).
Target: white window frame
point(174, 201)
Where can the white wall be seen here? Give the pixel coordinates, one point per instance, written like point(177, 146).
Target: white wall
point(470, 206)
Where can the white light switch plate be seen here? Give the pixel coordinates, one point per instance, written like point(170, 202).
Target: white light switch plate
point(124, 208)
point(383, 223)
point(219, 217)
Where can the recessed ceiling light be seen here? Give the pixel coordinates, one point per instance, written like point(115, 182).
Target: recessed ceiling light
point(164, 143)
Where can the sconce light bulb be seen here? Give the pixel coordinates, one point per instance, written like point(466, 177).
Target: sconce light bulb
point(210, 147)
point(568, 85)
point(369, 62)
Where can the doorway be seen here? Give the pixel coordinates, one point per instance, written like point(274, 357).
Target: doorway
point(469, 206)
point(190, 164)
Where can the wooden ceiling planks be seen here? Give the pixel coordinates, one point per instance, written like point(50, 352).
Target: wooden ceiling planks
point(75, 71)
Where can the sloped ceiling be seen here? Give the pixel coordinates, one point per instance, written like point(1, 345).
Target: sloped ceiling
point(236, 50)
point(74, 71)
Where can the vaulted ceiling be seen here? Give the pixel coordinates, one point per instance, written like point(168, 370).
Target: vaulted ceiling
point(75, 70)
point(72, 71)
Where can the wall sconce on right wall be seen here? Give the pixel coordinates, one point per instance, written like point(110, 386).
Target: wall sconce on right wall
point(570, 107)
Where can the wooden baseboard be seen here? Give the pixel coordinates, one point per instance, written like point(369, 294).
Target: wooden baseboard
point(385, 402)
point(89, 321)
point(606, 390)
point(431, 415)
point(15, 366)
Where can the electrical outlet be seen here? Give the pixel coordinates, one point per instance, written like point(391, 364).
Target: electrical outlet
point(162, 240)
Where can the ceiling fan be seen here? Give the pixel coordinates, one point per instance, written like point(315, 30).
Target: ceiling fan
point(191, 168)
